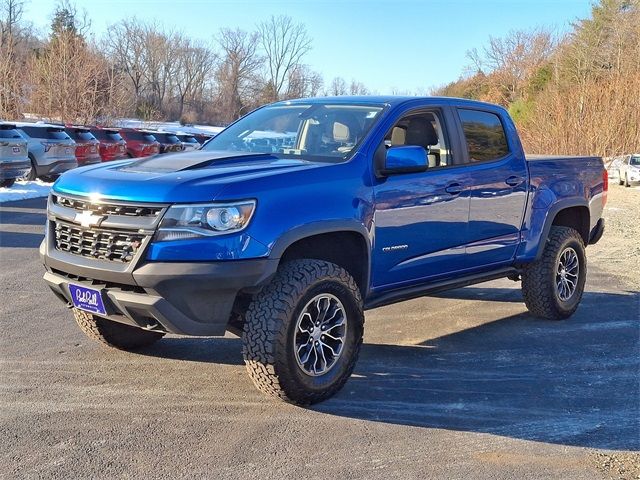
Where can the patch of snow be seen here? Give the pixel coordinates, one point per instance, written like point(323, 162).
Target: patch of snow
point(23, 190)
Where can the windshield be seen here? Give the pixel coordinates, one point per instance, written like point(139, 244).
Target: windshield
point(323, 132)
point(635, 160)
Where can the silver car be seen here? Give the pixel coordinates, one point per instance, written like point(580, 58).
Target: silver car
point(14, 162)
point(629, 170)
point(51, 150)
point(189, 141)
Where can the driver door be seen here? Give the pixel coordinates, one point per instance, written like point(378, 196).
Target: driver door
point(420, 218)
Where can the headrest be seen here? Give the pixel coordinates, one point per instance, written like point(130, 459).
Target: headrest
point(398, 136)
point(420, 132)
point(340, 132)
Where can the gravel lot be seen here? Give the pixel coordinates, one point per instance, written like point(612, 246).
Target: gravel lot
point(463, 385)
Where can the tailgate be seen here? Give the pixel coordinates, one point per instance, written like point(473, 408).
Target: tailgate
point(13, 151)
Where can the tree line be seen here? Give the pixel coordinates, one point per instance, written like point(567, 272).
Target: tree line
point(142, 69)
point(577, 93)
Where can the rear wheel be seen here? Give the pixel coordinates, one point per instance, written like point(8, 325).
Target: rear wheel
point(553, 285)
point(32, 174)
point(114, 334)
point(7, 183)
point(626, 181)
point(303, 332)
point(620, 180)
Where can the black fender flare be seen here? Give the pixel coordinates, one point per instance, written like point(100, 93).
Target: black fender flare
point(552, 213)
point(300, 232)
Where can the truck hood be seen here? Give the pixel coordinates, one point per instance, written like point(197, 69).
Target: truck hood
point(196, 176)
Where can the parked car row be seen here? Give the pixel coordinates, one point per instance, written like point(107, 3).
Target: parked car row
point(43, 150)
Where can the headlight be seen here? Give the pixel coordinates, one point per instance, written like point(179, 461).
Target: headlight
point(203, 220)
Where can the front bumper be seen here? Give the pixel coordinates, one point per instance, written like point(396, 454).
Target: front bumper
point(11, 170)
point(182, 298)
point(189, 298)
point(55, 168)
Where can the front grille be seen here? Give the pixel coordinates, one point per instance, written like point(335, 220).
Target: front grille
point(107, 208)
point(100, 244)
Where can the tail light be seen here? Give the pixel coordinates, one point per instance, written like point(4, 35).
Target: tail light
point(605, 186)
point(47, 146)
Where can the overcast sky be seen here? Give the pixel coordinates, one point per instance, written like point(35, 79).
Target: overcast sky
point(406, 45)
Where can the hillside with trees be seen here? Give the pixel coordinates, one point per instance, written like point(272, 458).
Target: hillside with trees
point(574, 94)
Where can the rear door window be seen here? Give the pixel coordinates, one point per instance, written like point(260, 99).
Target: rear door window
point(485, 135)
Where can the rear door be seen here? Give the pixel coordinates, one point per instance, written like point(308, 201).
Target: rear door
point(497, 181)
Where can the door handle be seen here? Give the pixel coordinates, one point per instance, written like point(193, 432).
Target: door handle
point(514, 180)
point(453, 188)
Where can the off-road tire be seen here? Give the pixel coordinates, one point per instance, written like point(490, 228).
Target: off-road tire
point(270, 325)
point(114, 334)
point(8, 183)
point(539, 278)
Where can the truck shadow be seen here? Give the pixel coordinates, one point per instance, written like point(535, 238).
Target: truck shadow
point(572, 383)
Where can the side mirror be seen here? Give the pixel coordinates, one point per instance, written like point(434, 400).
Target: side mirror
point(405, 159)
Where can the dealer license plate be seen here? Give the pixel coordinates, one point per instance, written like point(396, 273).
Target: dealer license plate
point(87, 299)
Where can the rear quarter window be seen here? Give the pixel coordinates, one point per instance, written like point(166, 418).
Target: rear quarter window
point(81, 135)
point(484, 133)
point(9, 133)
point(139, 136)
point(107, 135)
point(167, 138)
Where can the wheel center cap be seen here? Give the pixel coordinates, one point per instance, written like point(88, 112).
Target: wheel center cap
point(316, 334)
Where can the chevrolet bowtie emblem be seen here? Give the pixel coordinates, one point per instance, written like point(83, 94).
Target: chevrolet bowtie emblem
point(88, 219)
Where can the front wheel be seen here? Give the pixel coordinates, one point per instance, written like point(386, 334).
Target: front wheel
point(552, 286)
point(114, 334)
point(303, 332)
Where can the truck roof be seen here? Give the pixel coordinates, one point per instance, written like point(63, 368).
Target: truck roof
point(391, 100)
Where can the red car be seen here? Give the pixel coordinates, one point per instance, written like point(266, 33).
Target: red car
point(140, 143)
point(87, 146)
point(112, 145)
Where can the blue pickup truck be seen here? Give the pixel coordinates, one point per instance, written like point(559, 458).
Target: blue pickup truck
point(296, 218)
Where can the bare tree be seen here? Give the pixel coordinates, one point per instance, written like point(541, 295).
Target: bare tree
point(285, 44)
point(337, 87)
point(513, 60)
point(126, 50)
point(238, 70)
point(303, 82)
point(11, 12)
point(358, 88)
point(158, 63)
point(194, 63)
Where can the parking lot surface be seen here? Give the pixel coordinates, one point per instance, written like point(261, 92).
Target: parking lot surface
point(462, 385)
